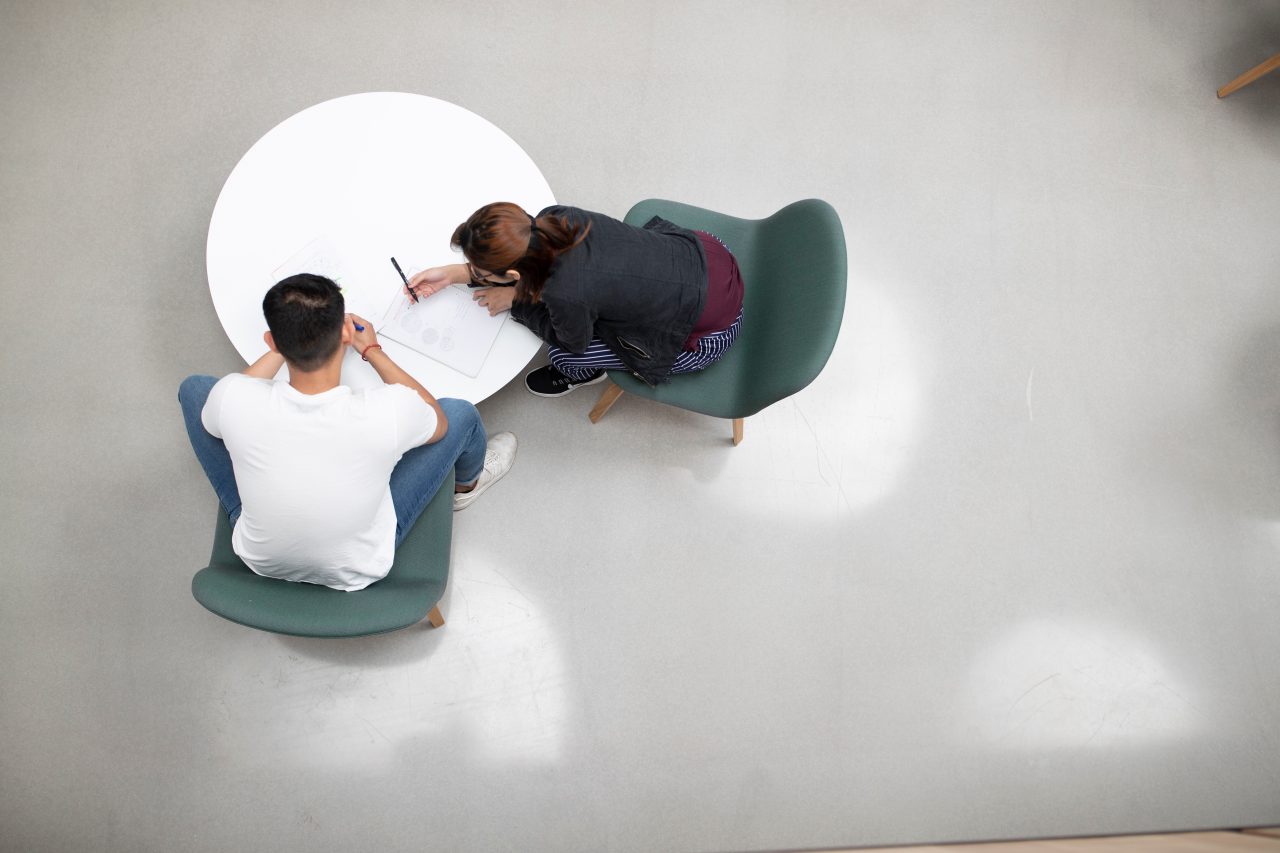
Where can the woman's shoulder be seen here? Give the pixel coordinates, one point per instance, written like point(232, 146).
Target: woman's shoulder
point(575, 215)
point(564, 211)
point(603, 224)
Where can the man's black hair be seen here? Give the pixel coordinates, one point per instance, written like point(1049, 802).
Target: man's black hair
point(305, 313)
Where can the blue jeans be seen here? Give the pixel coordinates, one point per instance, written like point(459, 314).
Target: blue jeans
point(414, 481)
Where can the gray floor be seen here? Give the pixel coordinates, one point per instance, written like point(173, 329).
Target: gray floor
point(1008, 568)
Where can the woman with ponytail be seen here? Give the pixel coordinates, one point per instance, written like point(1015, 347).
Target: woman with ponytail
point(604, 295)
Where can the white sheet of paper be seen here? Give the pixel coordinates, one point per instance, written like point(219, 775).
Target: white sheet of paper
point(319, 257)
point(448, 326)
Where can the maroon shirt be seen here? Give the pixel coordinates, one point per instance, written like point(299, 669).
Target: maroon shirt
point(724, 291)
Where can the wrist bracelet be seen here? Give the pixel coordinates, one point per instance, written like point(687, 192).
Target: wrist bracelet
point(366, 349)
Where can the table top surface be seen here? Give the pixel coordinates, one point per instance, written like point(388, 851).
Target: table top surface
point(372, 176)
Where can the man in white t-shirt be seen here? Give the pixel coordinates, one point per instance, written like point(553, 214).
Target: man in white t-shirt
point(319, 482)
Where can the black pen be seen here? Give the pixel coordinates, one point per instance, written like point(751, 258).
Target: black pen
point(412, 295)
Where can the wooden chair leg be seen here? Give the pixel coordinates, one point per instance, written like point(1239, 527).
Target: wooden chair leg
point(737, 431)
point(610, 396)
point(437, 621)
point(1249, 76)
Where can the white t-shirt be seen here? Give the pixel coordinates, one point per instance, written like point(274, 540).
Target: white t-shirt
point(314, 474)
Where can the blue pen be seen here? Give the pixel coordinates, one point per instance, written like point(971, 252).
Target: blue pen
point(359, 328)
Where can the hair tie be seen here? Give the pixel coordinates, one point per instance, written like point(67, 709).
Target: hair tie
point(533, 234)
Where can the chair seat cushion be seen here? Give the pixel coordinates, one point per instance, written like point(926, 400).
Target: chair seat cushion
point(308, 610)
point(712, 391)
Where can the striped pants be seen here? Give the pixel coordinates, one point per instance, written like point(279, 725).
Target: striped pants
point(583, 366)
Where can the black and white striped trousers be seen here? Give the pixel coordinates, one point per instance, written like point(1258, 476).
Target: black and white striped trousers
point(582, 366)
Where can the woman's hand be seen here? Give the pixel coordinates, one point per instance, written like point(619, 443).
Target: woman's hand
point(496, 299)
point(436, 279)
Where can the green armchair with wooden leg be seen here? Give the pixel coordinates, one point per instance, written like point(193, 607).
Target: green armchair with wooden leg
point(409, 592)
point(794, 273)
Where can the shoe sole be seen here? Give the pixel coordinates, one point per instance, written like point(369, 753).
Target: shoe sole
point(570, 390)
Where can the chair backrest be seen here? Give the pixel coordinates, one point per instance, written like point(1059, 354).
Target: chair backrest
point(795, 274)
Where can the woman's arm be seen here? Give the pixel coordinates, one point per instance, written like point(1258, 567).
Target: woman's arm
point(570, 326)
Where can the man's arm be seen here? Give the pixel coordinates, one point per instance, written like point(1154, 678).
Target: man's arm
point(266, 367)
point(392, 374)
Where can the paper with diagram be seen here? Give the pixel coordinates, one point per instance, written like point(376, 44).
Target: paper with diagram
point(448, 326)
point(319, 257)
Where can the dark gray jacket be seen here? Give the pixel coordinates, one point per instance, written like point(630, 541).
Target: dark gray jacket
point(640, 290)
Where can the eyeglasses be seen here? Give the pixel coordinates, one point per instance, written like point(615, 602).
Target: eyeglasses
point(486, 279)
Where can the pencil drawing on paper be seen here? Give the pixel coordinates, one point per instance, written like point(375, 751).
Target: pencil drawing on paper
point(448, 326)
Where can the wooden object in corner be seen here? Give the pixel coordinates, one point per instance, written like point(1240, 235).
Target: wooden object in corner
point(1249, 76)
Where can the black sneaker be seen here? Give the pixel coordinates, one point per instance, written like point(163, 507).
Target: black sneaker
point(549, 382)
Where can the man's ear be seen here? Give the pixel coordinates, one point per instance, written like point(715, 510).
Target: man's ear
point(271, 342)
point(348, 331)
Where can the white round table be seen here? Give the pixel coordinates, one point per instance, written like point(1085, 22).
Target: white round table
point(368, 177)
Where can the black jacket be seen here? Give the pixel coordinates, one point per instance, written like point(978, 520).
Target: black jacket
point(640, 290)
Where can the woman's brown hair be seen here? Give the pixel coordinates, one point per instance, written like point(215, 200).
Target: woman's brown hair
point(501, 236)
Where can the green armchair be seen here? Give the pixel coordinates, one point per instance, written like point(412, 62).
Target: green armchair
point(410, 591)
point(794, 272)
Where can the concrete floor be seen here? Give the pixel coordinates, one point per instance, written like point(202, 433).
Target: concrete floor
point(1007, 569)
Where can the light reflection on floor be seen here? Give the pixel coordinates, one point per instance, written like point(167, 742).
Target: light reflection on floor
point(504, 684)
point(1046, 684)
point(842, 444)
point(492, 688)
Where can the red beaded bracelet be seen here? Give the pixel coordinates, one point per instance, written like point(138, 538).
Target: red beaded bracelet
point(366, 349)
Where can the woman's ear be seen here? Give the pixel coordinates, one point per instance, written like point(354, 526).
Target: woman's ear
point(515, 276)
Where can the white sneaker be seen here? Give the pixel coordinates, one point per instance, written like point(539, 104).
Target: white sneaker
point(499, 453)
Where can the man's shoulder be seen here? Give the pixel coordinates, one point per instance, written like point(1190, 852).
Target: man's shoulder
point(232, 399)
point(245, 380)
point(240, 387)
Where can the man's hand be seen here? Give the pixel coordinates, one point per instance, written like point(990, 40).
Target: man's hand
point(436, 279)
point(496, 299)
point(361, 341)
